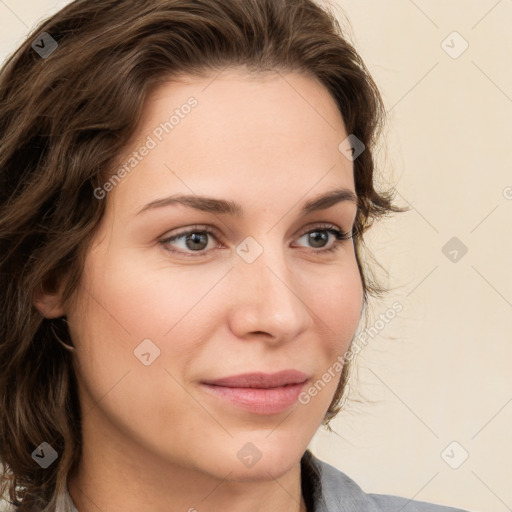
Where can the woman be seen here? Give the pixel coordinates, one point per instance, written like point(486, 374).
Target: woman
point(185, 189)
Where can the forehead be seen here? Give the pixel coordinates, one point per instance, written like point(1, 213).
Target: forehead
point(246, 135)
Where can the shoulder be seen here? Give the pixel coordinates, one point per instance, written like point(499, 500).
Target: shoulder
point(388, 503)
point(332, 490)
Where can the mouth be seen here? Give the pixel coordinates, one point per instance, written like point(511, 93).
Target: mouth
point(260, 380)
point(259, 393)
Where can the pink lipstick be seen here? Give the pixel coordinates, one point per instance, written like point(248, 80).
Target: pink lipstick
point(259, 392)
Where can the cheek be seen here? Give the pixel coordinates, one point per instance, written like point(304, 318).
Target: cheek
point(339, 308)
point(147, 300)
point(125, 302)
point(337, 301)
point(124, 313)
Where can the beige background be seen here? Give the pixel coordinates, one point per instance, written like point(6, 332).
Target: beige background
point(441, 370)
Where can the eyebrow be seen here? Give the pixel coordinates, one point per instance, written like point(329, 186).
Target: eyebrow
point(224, 207)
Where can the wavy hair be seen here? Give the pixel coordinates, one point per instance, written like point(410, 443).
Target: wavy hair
point(65, 117)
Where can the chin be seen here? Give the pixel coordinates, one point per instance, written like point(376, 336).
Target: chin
point(257, 456)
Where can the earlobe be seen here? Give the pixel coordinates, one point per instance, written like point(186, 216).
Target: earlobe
point(49, 304)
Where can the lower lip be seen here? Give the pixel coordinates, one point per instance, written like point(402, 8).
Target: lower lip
point(259, 400)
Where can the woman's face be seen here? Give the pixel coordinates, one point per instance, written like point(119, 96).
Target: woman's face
point(156, 318)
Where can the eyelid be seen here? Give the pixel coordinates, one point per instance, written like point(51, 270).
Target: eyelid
point(214, 231)
point(193, 228)
point(320, 226)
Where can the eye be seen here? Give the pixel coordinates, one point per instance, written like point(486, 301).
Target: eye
point(196, 238)
point(319, 236)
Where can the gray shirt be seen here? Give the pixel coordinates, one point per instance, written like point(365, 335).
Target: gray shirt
point(327, 489)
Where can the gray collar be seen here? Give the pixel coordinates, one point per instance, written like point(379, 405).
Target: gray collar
point(327, 489)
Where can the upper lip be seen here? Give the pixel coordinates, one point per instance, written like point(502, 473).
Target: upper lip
point(260, 379)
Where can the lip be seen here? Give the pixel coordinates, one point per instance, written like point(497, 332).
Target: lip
point(259, 392)
point(260, 379)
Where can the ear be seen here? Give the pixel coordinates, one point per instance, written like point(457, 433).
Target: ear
point(47, 299)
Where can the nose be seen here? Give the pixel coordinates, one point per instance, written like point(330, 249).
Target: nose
point(267, 300)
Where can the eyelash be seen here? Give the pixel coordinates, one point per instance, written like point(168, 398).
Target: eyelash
point(340, 237)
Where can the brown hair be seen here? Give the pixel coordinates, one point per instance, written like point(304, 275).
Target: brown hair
point(64, 119)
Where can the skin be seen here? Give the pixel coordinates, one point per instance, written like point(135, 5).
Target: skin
point(153, 439)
